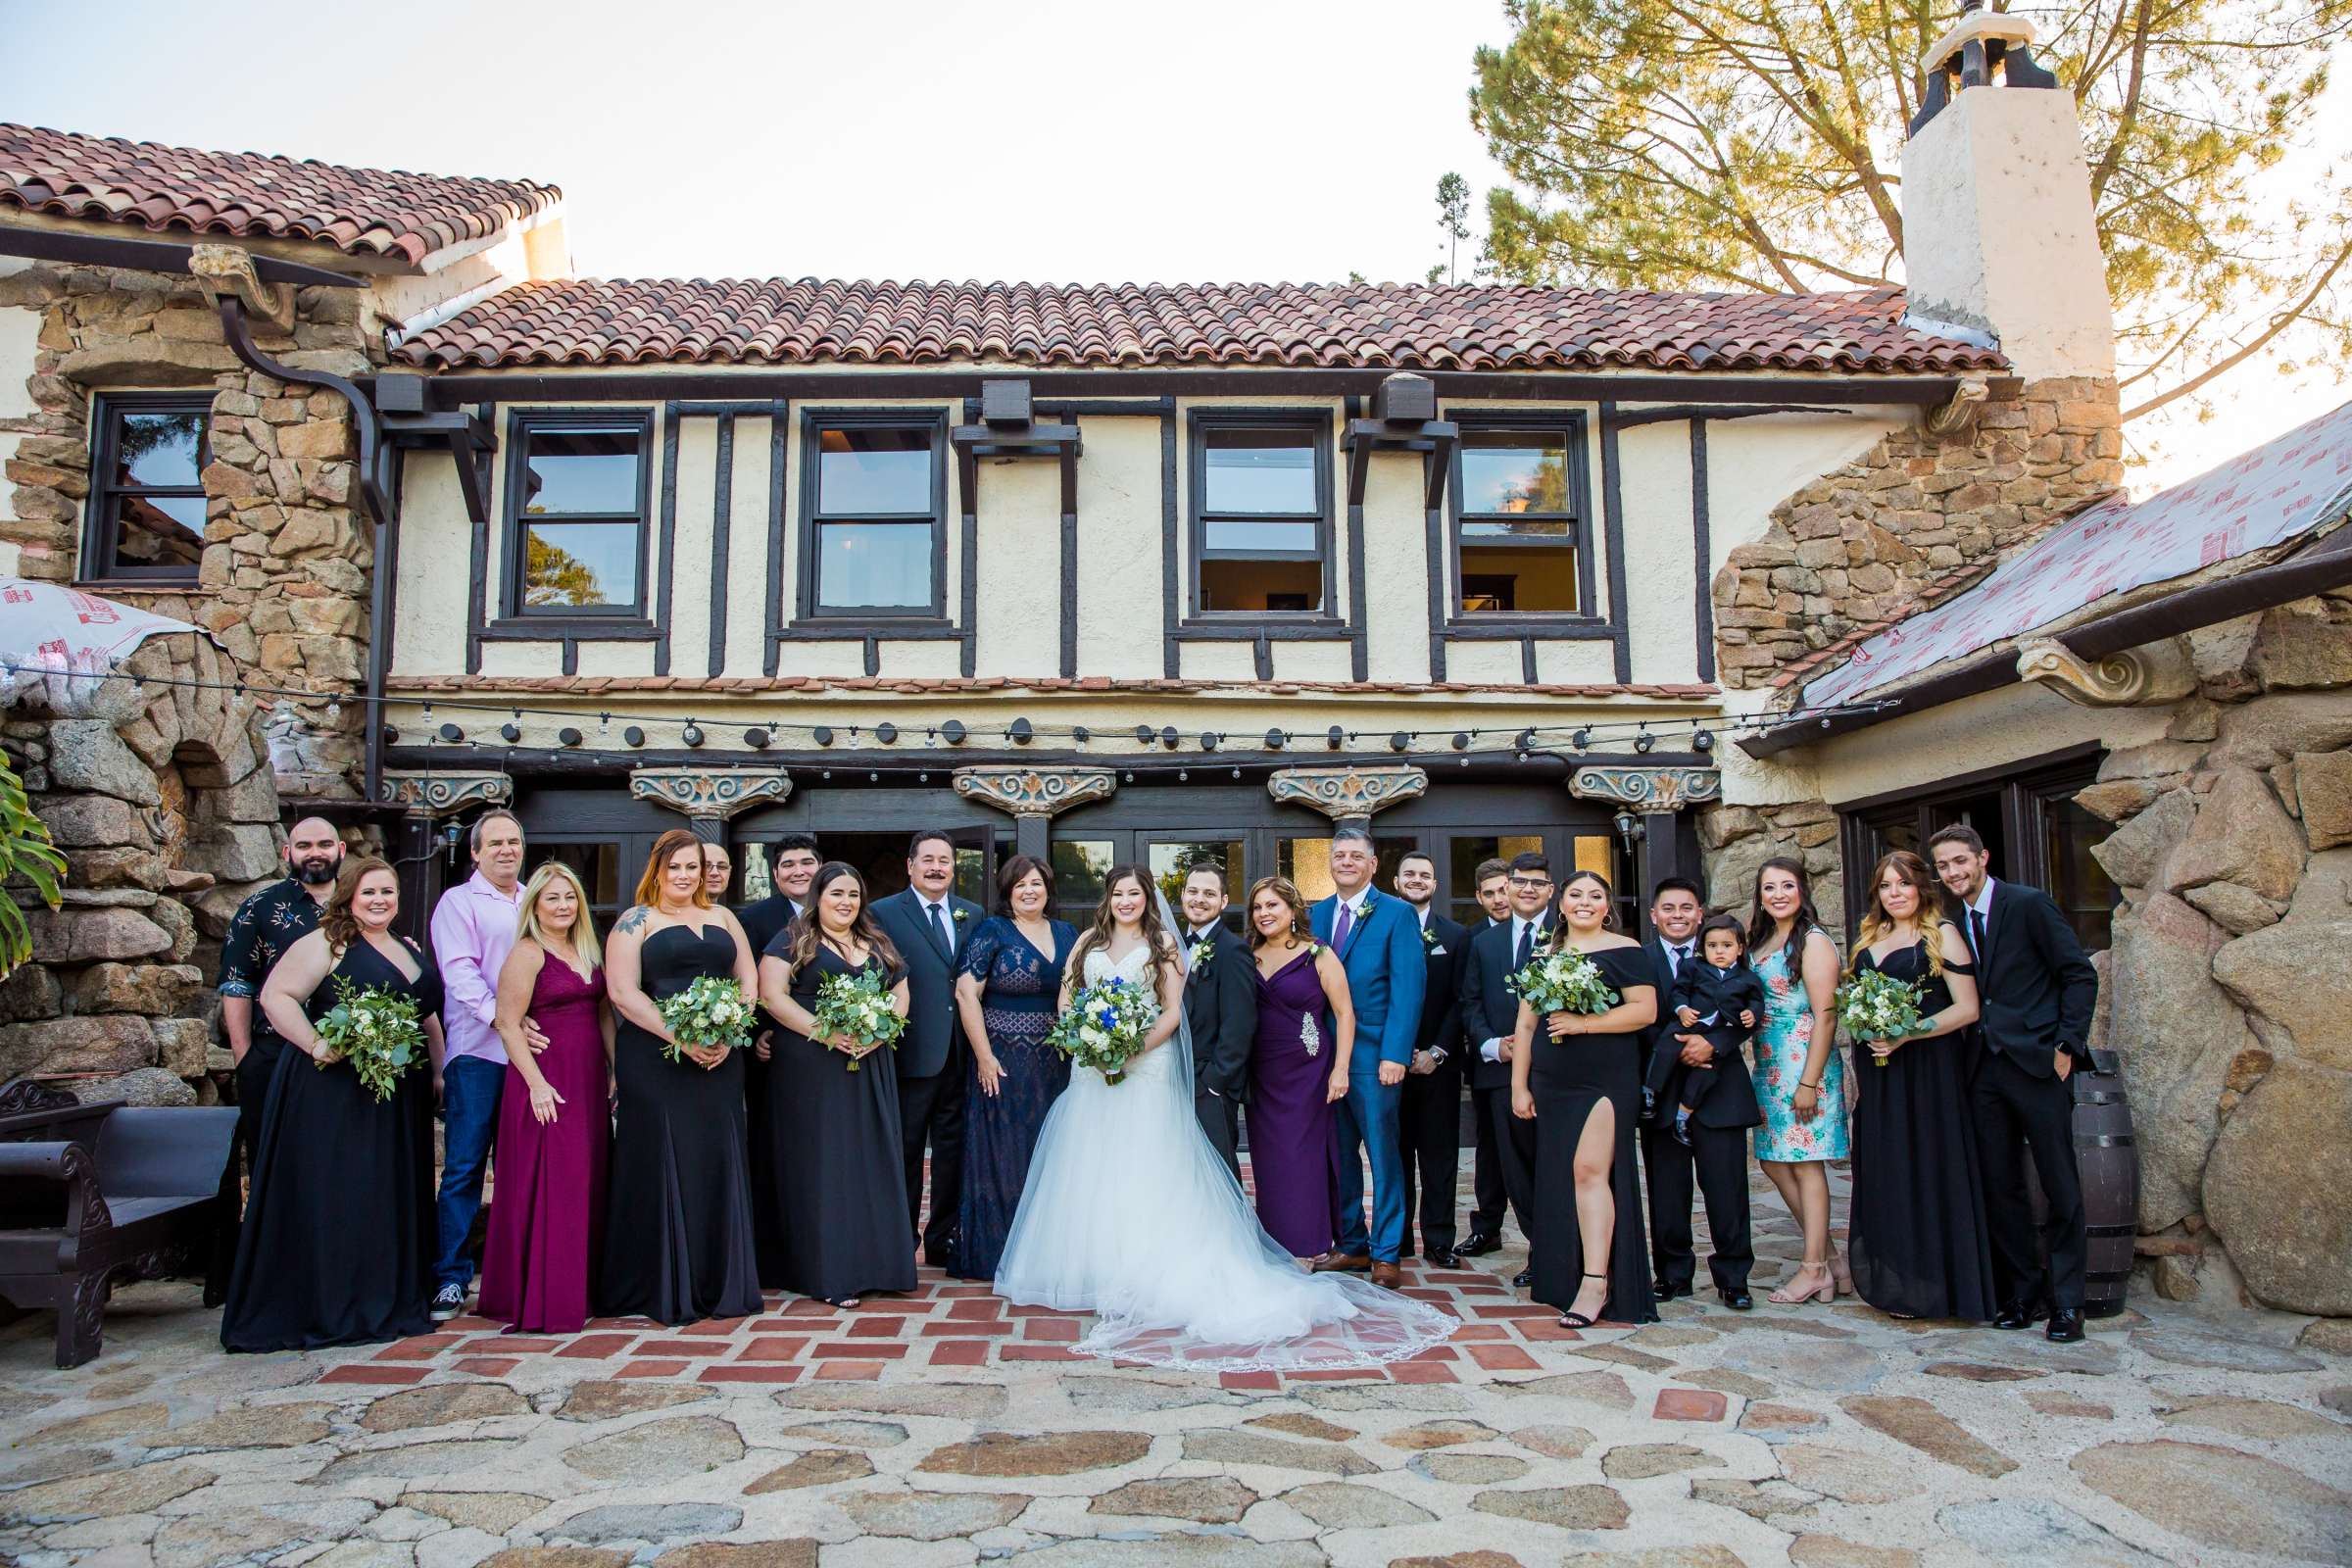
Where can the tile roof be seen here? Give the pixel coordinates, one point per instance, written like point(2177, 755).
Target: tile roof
point(2259, 499)
point(361, 212)
point(697, 322)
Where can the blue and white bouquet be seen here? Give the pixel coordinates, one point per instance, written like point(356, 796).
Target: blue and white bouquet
point(711, 1012)
point(858, 1007)
point(1562, 980)
point(1875, 1005)
point(376, 1031)
point(1105, 1026)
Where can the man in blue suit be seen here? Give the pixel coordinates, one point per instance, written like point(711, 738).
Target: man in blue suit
point(1378, 940)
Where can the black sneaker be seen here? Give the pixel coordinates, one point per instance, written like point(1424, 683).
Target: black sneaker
point(448, 1301)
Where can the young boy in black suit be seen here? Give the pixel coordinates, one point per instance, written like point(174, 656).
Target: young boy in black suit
point(1720, 998)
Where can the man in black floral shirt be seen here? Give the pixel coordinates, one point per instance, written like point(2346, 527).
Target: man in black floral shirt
point(264, 927)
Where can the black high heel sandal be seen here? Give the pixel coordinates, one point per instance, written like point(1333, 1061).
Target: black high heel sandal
point(1577, 1320)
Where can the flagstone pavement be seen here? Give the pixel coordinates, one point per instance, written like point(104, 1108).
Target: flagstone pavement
point(948, 1428)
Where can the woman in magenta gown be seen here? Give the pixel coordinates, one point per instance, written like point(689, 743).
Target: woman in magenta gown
point(554, 1119)
point(1298, 1067)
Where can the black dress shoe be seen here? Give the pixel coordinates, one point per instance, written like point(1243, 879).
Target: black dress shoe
point(1480, 1243)
point(1524, 1280)
point(1737, 1300)
point(1663, 1291)
point(2066, 1326)
point(2018, 1315)
point(1442, 1257)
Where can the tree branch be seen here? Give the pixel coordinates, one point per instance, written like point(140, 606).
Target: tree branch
point(2279, 324)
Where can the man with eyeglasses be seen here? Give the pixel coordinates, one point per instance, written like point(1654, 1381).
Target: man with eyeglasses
point(1490, 1012)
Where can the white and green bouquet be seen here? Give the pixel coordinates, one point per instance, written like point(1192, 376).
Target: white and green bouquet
point(858, 1007)
point(1105, 1026)
point(1562, 980)
point(1875, 1005)
point(376, 1031)
point(711, 1012)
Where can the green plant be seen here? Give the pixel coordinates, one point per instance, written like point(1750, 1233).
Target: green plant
point(24, 852)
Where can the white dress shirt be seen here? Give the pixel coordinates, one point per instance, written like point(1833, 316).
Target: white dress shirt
point(1491, 1050)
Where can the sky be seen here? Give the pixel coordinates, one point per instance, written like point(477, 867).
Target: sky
point(1040, 140)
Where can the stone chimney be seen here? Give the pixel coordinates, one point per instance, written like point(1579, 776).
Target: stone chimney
point(1998, 238)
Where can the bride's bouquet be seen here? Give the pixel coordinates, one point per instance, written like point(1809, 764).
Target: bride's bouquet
point(1105, 1026)
point(376, 1031)
point(710, 1013)
point(857, 1007)
point(1562, 980)
point(1875, 1005)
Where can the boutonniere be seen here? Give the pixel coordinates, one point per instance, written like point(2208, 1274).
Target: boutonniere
point(1200, 953)
point(962, 915)
point(1429, 939)
point(1314, 950)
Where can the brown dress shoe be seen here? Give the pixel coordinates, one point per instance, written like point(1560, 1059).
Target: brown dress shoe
point(1352, 1262)
point(1388, 1276)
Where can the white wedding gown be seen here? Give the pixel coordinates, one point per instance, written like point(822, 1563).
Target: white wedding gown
point(1130, 1214)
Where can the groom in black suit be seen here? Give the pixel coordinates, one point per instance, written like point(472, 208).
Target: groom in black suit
point(929, 925)
point(1220, 1003)
point(2037, 991)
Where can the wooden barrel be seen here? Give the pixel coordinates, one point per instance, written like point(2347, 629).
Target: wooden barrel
point(2107, 1164)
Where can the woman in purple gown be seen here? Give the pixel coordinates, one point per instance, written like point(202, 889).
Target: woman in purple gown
point(1298, 1067)
point(554, 1119)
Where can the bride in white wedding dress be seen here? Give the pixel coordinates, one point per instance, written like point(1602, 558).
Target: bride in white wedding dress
point(1129, 1214)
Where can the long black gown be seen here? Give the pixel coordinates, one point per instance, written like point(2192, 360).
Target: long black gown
point(338, 1241)
point(838, 1155)
point(1919, 1244)
point(678, 1225)
point(1567, 1077)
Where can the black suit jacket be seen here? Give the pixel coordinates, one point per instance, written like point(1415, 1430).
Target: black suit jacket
point(1733, 1101)
point(762, 923)
point(1441, 999)
point(1489, 1009)
point(2036, 988)
point(934, 1032)
point(1220, 1002)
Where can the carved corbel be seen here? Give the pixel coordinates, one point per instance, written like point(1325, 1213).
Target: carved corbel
point(1955, 416)
point(444, 793)
point(1348, 794)
point(1647, 790)
point(228, 270)
point(709, 795)
point(2158, 672)
point(1034, 792)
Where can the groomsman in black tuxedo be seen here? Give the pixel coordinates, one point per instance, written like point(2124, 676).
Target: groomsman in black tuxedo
point(1220, 1003)
point(1717, 1153)
point(1493, 881)
point(929, 925)
point(1489, 1014)
point(1430, 1120)
point(2036, 991)
point(792, 866)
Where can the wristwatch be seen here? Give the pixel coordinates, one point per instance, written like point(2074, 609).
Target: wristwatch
point(1438, 1055)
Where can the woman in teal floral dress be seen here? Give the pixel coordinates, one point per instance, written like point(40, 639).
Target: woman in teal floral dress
point(1801, 1079)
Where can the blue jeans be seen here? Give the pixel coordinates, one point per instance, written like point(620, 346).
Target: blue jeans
point(469, 1090)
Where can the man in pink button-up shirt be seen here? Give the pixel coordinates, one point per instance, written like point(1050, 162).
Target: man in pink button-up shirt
point(473, 931)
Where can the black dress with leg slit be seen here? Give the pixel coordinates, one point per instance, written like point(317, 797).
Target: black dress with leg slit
point(1568, 1078)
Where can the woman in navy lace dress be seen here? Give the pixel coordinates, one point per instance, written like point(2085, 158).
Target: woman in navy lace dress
point(1011, 977)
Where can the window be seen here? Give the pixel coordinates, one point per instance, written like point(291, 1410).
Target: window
point(146, 513)
point(1519, 523)
point(1261, 535)
point(876, 519)
point(576, 511)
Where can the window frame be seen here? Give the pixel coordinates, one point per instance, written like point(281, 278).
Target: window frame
point(101, 525)
point(1316, 424)
point(1573, 428)
point(521, 426)
point(809, 610)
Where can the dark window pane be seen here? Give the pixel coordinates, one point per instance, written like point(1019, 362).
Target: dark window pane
point(1079, 867)
point(1259, 470)
point(873, 471)
point(874, 565)
point(573, 472)
point(1274, 585)
point(1255, 537)
point(2079, 883)
point(1505, 473)
point(598, 866)
point(1518, 581)
point(158, 448)
point(158, 531)
point(567, 564)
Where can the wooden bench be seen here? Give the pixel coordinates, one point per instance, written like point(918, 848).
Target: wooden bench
point(91, 1195)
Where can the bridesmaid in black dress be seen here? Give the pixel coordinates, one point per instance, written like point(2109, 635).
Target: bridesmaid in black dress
point(338, 1241)
point(1918, 1246)
point(838, 1153)
point(1581, 1083)
point(678, 1224)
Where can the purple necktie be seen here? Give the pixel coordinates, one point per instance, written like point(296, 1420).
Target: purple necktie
point(1347, 924)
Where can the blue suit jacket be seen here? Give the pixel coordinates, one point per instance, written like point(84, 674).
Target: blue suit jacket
point(1388, 969)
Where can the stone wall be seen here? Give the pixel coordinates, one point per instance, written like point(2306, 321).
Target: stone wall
point(2226, 990)
point(1737, 841)
point(1914, 519)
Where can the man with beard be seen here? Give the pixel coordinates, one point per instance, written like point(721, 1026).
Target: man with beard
point(793, 861)
point(264, 927)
